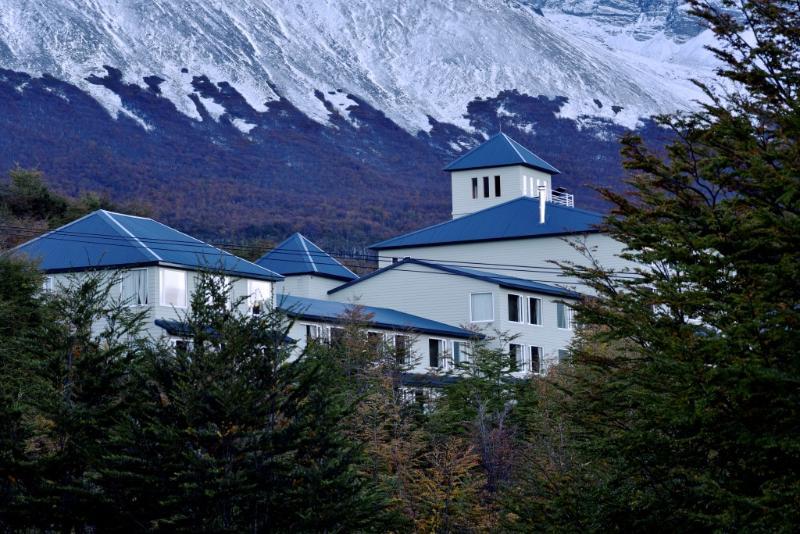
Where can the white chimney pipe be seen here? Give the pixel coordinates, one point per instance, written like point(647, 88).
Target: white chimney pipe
point(542, 200)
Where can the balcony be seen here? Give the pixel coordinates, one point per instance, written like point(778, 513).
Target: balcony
point(561, 197)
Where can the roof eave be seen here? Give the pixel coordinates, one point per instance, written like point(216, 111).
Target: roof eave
point(383, 246)
point(551, 171)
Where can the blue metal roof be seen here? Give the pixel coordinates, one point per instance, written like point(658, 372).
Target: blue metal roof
point(509, 282)
point(384, 318)
point(298, 255)
point(499, 151)
point(103, 239)
point(515, 219)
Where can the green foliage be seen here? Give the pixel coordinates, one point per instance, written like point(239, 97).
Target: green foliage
point(681, 409)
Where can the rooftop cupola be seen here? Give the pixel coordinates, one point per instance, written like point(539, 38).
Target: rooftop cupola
point(497, 171)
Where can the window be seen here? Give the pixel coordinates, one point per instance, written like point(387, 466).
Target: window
point(564, 314)
point(375, 340)
point(564, 356)
point(337, 336)
point(486, 187)
point(401, 349)
point(497, 186)
point(173, 288)
point(516, 357)
point(534, 311)
point(474, 188)
point(435, 352)
point(47, 284)
point(481, 307)
point(536, 360)
point(133, 287)
point(259, 294)
point(514, 308)
point(315, 333)
point(458, 353)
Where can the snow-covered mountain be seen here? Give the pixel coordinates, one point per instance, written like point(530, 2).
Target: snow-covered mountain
point(412, 59)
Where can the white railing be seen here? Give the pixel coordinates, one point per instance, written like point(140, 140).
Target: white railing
point(562, 198)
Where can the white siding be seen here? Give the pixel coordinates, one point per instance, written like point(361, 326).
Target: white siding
point(498, 256)
point(310, 286)
point(444, 297)
point(515, 182)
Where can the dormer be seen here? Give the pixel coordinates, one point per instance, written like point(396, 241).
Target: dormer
point(497, 171)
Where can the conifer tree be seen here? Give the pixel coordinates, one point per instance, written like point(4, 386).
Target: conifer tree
point(687, 418)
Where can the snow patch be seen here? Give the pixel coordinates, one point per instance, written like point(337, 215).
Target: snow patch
point(242, 125)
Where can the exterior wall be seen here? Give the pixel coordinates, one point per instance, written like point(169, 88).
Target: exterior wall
point(531, 253)
point(155, 309)
point(315, 287)
point(515, 181)
point(446, 298)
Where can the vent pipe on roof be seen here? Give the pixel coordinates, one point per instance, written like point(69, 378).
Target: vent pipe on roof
point(542, 200)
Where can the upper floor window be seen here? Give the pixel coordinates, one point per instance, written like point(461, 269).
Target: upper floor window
point(534, 311)
point(474, 188)
point(486, 187)
point(515, 308)
point(173, 287)
point(497, 186)
point(564, 315)
point(481, 307)
point(259, 295)
point(133, 287)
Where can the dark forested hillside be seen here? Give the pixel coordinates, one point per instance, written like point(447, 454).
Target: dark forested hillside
point(349, 184)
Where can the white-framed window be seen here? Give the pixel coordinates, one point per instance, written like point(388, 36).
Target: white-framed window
point(564, 356)
point(535, 311)
point(436, 352)
point(516, 354)
point(565, 316)
point(259, 295)
point(535, 360)
point(47, 284)
point(133, 287)
point(337, 334)
point(315, 332)
point(515, 309)
point(402, 349)
point(173, 287)
point(474, 188)
point(459, 352)
point(481, 307)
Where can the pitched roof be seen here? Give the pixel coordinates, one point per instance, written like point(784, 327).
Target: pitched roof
point(499, 151)
point(515, 219)
point(508, 282)
point(298, 255)
point(383, 318)
point(104, 239)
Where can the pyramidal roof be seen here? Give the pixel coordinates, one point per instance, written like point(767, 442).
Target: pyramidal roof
point(515, 219)
point(500, 151)
point(298, 255)
point(104, 239)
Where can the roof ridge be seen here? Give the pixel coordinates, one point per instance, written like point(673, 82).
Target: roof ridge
point(146, 248)
point(308, 254)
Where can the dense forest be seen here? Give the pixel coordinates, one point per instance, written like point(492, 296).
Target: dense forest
point(677, 412)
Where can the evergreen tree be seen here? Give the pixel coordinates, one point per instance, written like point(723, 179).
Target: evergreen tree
point(683, 399)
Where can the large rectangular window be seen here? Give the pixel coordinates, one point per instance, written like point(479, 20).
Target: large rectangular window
point(435, 352)
point(259, 295)
point(133, 287)
point(564, 314)
point(316, 333)
point(534, 311)
point(497, 186)
point(481, 307)
point(173, 288)
point(536, 360)
point(514, 308)
point(516, 357)
point(474, 188)
point(486, 187)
